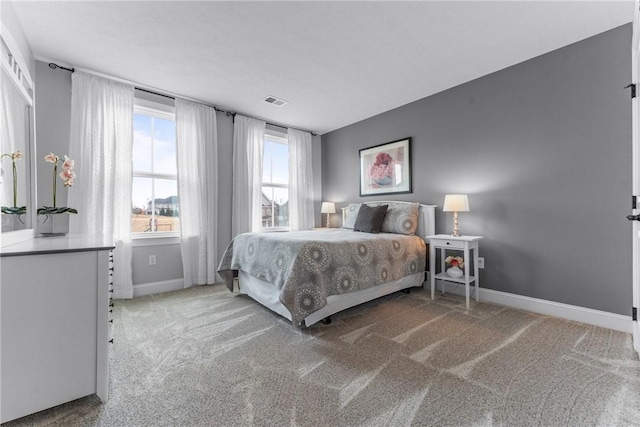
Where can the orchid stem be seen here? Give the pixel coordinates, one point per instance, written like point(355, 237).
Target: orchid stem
point(15, 183)
point(55, 172)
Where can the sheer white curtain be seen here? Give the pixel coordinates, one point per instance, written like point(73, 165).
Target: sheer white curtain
point(101, 145)
point(198, 189)
point(301, 215)
point(248, 142)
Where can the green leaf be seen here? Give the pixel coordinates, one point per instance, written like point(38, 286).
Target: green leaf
point(45, 210)
point(21, 210)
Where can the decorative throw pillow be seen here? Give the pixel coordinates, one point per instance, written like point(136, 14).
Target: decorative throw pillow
point(351, 214)
point(370, 218)
point(401, 218)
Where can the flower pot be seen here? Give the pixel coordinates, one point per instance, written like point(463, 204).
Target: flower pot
point(50, 225)
point(11, 222)
point(455, 272)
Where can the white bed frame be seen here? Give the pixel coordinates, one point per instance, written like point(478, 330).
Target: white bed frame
point(267, 294)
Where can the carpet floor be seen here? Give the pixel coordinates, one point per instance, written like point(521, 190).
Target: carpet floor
point(206, 357)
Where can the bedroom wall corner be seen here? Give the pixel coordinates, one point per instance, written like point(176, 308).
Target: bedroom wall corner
point(317, 178)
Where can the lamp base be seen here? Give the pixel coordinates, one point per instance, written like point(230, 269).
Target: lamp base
point(455, 224)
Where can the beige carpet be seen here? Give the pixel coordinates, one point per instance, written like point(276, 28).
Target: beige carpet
point(206, 357)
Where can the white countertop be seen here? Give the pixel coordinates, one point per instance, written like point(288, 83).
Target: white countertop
point(47, 245)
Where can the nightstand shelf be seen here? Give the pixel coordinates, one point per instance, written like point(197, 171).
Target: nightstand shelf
point(464, 244)
point(445, 276)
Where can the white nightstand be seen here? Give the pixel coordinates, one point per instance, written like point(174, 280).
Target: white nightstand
point(465, 244)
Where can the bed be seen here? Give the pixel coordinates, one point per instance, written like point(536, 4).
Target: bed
point(307, 276)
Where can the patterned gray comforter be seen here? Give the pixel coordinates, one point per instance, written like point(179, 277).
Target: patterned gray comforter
point(308, 266)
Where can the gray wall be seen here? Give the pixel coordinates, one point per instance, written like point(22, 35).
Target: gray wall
point(53, 116)
point(543, 149)
point(53, 113)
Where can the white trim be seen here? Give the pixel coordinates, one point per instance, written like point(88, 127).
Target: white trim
point(151, 288)
point(155, 239)
point(278, 136)
point(635, 154)
point(158, 175)
point(274, 229)
point(575, 313)
point(16, 52)
point(17, 71)
point(154, 109)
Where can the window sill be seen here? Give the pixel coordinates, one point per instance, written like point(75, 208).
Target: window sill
point(274, 229)
point(154, 239)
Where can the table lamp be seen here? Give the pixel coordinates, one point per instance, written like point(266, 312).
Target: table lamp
point(455, 203)
point(328, 208)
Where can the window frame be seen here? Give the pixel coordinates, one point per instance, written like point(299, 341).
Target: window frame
point(164, 112)
point(280, 138)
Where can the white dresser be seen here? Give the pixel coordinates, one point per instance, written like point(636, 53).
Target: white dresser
point(55, 297)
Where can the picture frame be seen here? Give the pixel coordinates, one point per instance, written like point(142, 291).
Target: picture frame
point(386, 168)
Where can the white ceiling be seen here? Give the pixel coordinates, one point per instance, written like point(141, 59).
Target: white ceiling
point(335, 62)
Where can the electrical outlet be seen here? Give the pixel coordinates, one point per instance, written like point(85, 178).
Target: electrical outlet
point(152, 260)
point(480, 262)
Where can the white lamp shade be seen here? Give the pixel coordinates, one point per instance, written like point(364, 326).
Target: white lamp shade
point(328, 207)
point(456, 203)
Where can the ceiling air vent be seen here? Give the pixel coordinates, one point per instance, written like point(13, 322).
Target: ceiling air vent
point(275, 101)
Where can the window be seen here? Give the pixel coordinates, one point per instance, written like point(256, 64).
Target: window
point(275, 181)
point(155, 182)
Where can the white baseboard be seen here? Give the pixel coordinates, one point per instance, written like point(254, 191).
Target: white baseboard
point(589, 316)
point(157, 287)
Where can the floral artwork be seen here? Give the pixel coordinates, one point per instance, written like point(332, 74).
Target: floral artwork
point(382, 171)
point(386, 168)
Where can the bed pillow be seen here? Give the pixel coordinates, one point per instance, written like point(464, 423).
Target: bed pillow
point(370, 218)
point(401, 218)
point(351, 213)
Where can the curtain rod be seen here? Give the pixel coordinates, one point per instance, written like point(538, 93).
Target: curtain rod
point(54, 66)
point(228, 113)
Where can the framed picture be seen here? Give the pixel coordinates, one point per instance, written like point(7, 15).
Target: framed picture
point(386, 168)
